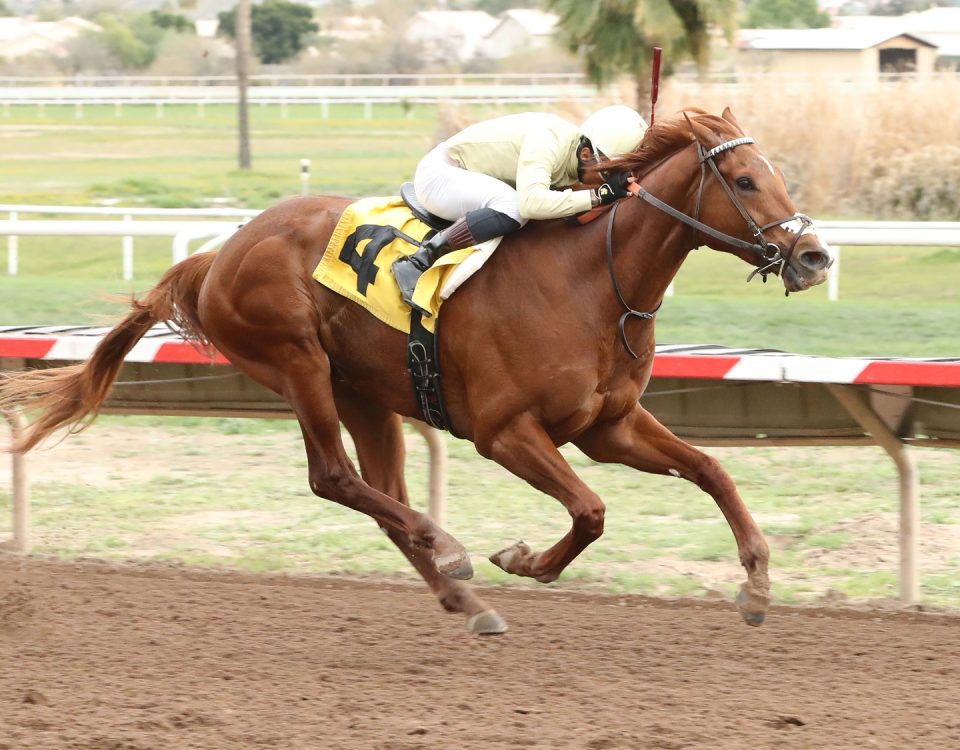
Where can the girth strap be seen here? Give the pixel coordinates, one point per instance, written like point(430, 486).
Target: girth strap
point(423, 363)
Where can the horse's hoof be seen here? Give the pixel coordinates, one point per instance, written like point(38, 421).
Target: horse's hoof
point(752, 607)
point(486, 623)
point(455, 565)
point(509, 558)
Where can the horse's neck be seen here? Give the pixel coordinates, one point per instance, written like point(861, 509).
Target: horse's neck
point(648, 245)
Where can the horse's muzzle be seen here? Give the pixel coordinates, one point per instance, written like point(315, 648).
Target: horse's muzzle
point(808, 264)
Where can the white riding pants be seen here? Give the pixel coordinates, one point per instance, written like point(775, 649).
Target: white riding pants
point(450, 191)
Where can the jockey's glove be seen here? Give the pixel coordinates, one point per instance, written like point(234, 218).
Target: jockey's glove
point(614, 188)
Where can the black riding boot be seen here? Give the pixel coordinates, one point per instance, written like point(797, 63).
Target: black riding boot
point(409, 269)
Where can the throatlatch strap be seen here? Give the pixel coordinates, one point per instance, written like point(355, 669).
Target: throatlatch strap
point(424, 367)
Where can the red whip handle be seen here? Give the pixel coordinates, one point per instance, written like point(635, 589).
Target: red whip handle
point(655, 83)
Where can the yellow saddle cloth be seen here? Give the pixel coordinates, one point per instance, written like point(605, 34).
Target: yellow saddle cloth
point(356, 263)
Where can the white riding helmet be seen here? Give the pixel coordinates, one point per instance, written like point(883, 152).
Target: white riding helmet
point(614, 131)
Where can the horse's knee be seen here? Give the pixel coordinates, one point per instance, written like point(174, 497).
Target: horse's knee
point(588, 519)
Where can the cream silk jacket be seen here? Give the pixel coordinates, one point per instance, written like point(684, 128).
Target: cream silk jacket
point(531, 151)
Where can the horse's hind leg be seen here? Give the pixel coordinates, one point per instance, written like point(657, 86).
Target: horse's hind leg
point(299, 370)
point(378, 437)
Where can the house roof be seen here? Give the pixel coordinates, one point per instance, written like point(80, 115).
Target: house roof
point(819, 39)
point(25, 36)
point(473, 23)
point(535, 22)
point(940, 26)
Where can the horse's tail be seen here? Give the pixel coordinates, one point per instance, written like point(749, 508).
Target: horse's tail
point(73, 395)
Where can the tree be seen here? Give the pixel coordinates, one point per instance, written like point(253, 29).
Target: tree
point(785, 14)
point(616, 37)
point(164, 20)
point(496, 7)
point(280, 29)
point(126, 46)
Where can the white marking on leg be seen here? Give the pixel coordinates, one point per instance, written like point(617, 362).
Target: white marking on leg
point(674, 472)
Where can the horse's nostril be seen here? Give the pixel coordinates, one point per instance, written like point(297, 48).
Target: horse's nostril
point(815, 260)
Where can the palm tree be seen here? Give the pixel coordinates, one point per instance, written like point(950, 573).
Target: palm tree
point(617, 36)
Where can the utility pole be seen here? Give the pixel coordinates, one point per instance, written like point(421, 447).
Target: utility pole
point(243, 45)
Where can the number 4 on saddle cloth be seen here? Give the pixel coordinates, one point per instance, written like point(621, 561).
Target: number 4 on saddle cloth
point(370, 236)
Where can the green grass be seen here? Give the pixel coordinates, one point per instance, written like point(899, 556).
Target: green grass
point(245, 502)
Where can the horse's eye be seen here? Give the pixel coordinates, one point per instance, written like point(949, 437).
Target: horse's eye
point(745, 183)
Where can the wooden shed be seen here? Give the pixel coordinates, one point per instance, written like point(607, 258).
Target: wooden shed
point(834, 53)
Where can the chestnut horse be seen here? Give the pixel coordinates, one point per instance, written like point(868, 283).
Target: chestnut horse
point(551, 343)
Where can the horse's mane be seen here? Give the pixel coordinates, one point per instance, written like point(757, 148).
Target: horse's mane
point(666, 137)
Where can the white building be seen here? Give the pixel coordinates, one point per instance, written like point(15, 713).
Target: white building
point(448, 35)
point(939, 26)
point(352, 28)
point(20, 37)
point(519, 30)
point(855, 55)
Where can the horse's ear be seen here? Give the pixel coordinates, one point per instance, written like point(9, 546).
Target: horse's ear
point(728, 116)
point(701, 133)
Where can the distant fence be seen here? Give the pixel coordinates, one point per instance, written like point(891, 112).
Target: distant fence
point(183, 225)
point(186, 225)
point(305, 79)
point(324, 91)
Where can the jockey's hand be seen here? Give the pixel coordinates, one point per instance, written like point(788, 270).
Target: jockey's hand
point(614, 188)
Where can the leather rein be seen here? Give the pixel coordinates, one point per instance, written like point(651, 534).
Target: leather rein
point(770, 257)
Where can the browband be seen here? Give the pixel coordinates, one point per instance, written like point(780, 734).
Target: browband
point(726, 147)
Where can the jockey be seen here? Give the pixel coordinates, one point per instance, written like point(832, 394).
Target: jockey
point(494, 176)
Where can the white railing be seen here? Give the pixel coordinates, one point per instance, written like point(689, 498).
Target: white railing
point(305, 79)
point(714, 78)
point(883, 234)
point(352, 90)
point(173, 222)
point(182, 232)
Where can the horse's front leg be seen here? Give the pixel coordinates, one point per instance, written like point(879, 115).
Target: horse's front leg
point(527, 451)
point(640, 441)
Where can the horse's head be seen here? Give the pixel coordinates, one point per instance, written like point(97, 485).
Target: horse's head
point(744, 196)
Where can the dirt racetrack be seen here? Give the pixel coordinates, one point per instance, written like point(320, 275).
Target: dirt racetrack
point(112, 657)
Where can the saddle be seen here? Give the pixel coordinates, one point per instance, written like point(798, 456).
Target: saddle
point(409, 196)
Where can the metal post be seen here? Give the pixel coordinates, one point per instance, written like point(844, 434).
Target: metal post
point(304, 177)
point(21, 488)
point(909, 486)
point(127, 253)
point(833, 277)
point(13, 245)
point(368, 110)
point(437, 445)
point(181, 246)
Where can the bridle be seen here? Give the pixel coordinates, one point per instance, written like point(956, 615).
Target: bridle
point(769, 256)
